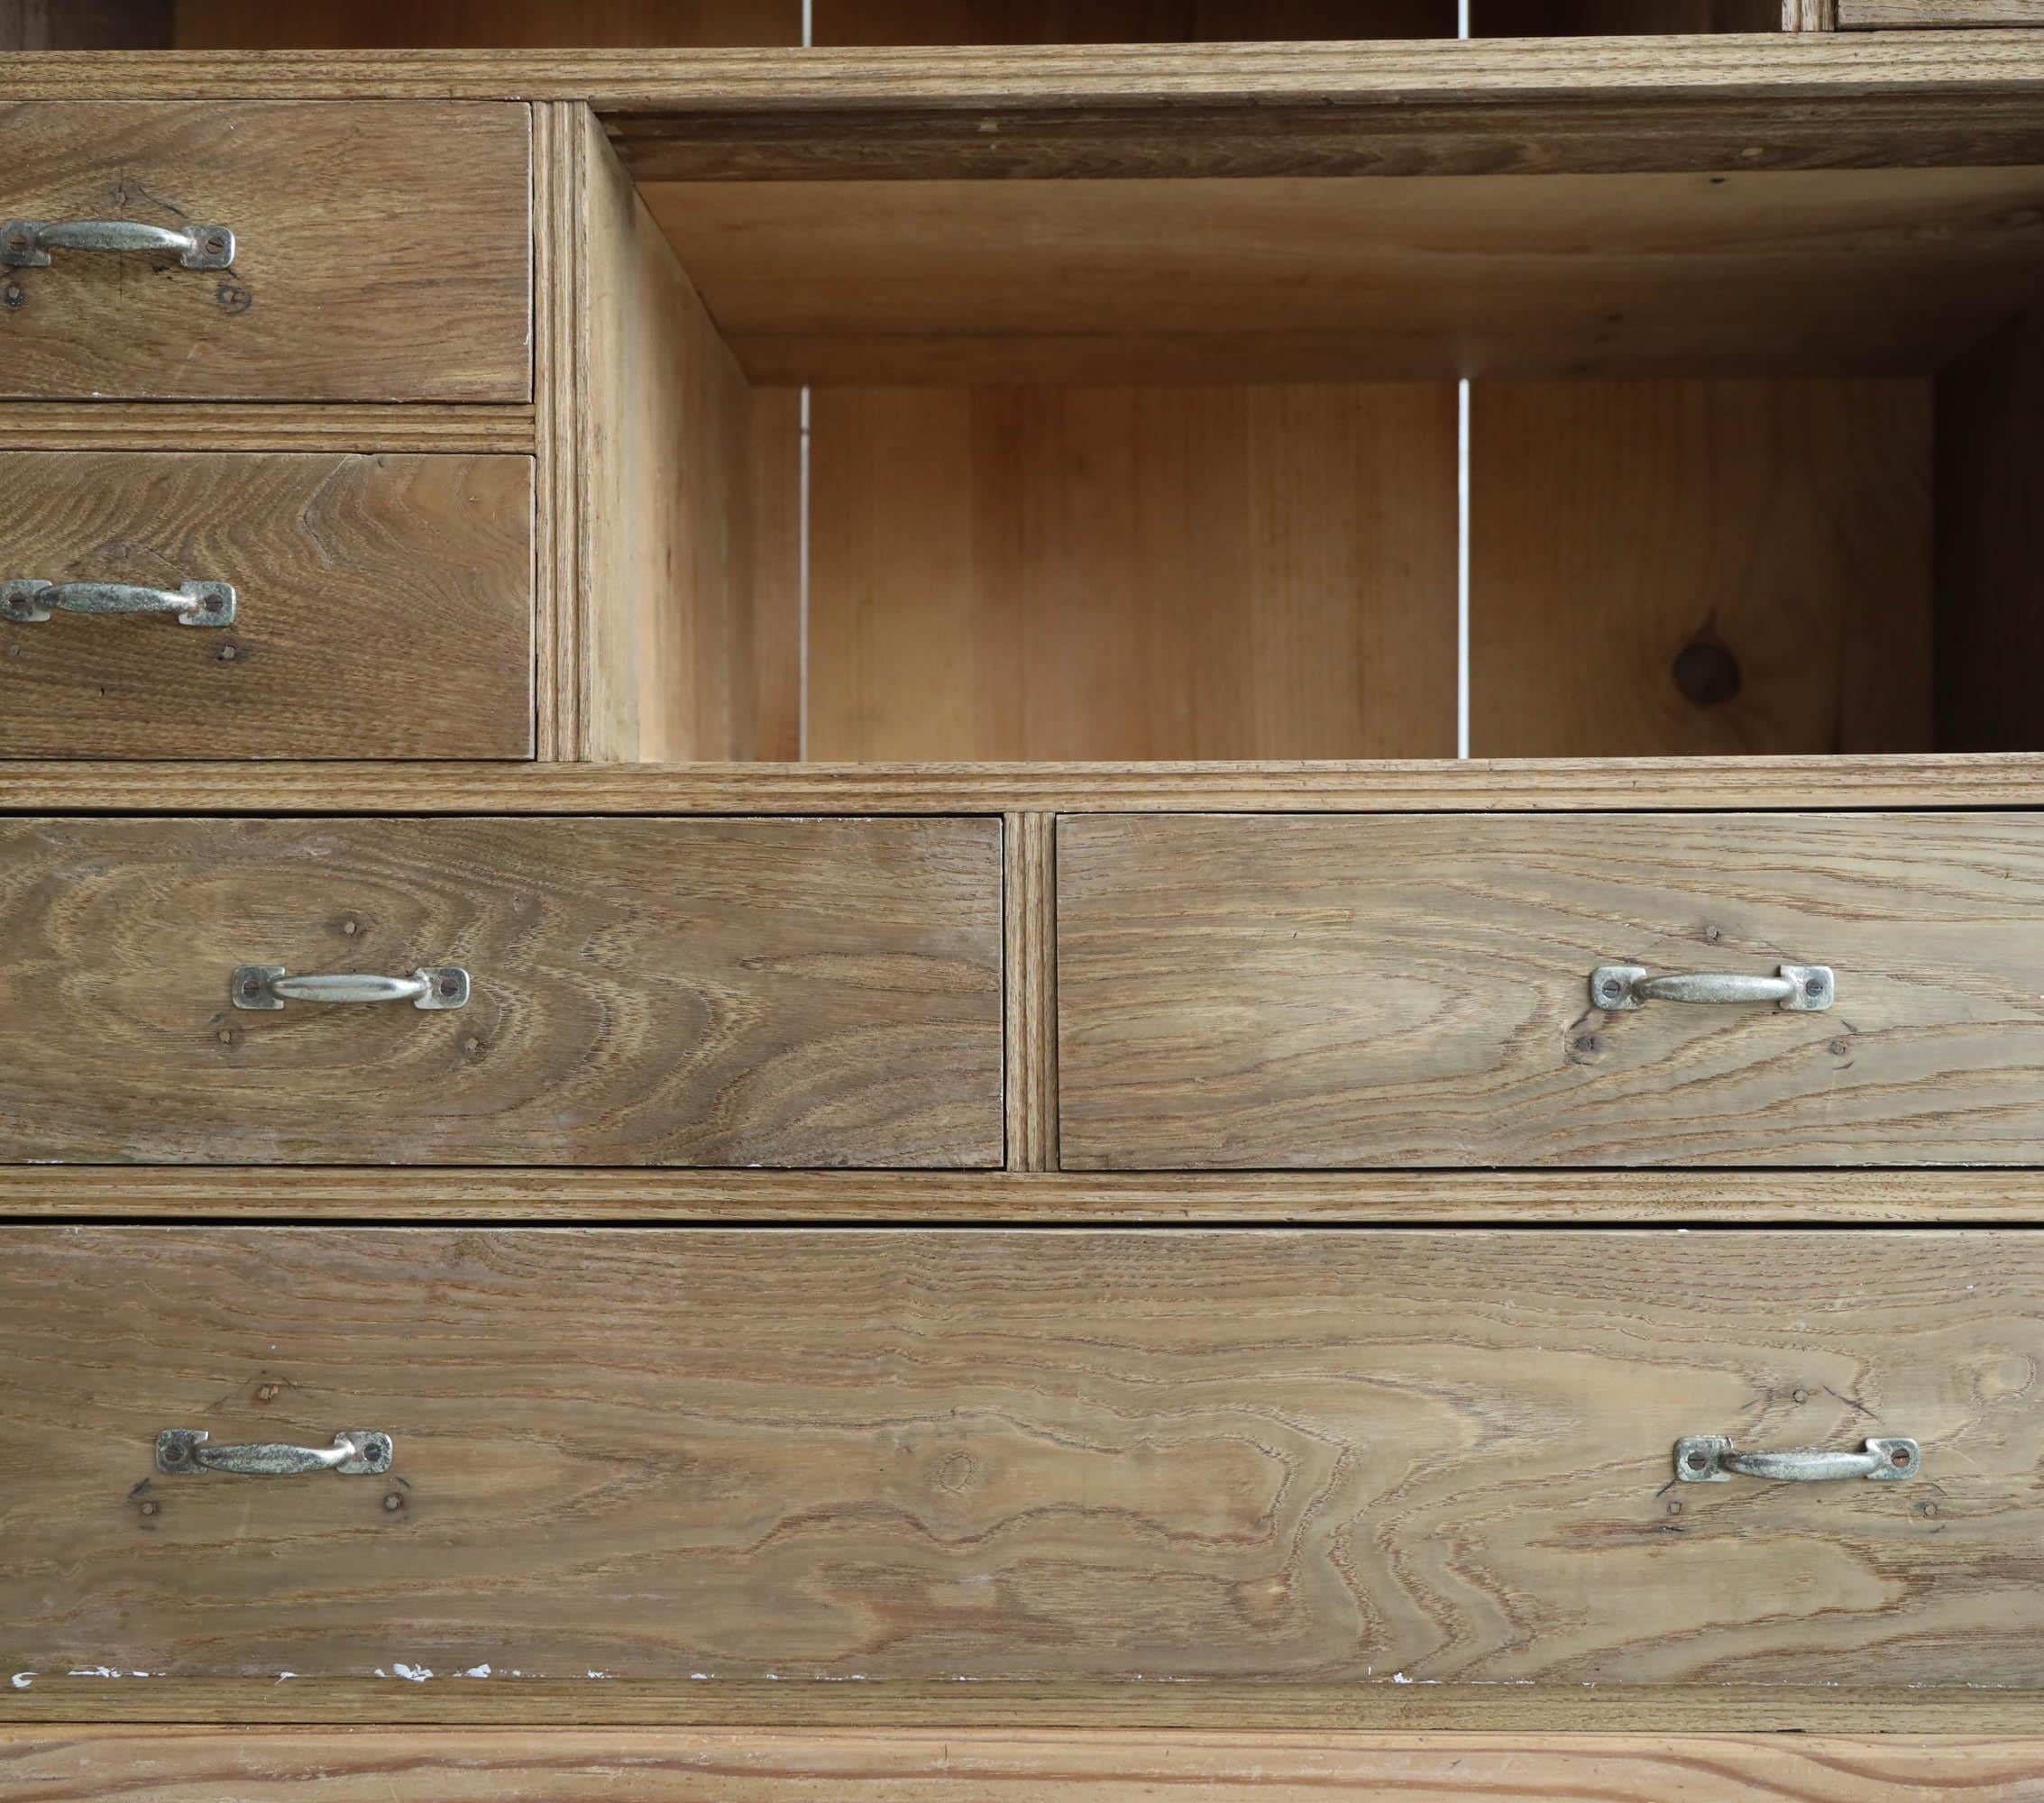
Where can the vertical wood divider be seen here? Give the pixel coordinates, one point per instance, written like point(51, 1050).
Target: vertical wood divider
point(555, 213)
point(1028, 907)
point(1810, 15)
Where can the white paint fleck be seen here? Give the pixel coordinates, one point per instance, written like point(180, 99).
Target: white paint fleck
point(23, 1680)
point(606, 1674)
point(381, 1672)
point(416, 1674)
point(282, 1676)
point(103, 1672)
point(477, 1671)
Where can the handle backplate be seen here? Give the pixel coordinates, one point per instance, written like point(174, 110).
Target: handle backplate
point(1712, 1459)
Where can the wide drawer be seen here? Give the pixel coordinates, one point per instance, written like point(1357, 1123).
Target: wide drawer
point(381, 251)
point(1372, 990)
point(382, 606)
point(681, 992)
point(1343, 1457)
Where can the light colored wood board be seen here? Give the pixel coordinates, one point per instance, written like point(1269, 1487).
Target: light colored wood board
point(1990, 623)
point(1084, 1458)
point(1313, 991)
point(195, 426)
point(1378, 1198)
point(1320, 1709)
point(1941, 15)
point(1419, 785)
point(352, 281)
point(708, 992)
point(172, 1765)
point(458, 24)
point(841, 22)
point(1810, 15)
point(383, 606)
point(1028, 863)
point(557, 306)
point(1022, 574)
point(663, 461)
point(1310, 278)
point(778, 627)
point(1782, 530)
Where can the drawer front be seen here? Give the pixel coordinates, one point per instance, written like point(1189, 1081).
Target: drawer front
point(382, 606)
point(643, 991)
point(382, 251)
point(1368, 991)
point(1341, 1456)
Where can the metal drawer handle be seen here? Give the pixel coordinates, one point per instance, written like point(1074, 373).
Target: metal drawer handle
point(26, 244)
point(265, 985)
point(356, 1452)
point(1708, 1459)
point(1797, 988)
point(25, 600)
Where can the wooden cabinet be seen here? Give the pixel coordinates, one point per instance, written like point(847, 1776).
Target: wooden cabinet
point(381, 251)
point(643, 991)
point(1264, 992)
point(382, 606)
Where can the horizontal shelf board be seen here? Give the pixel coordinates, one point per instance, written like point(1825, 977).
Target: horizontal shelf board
point(1646, 1198)
point(1879, 271)
point(1809, 99)
point(1379, 1707)
point(1916, 780)
point(204, 426)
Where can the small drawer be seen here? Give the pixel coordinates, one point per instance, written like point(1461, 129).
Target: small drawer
point(266, 251)
point(382, 606)
point(1348, 1459)
point(599, 992)
point(1382, 992)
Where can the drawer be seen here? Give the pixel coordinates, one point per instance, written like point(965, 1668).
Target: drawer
point(382, 251)
point(382, 606)
point(641, 992)
point(1352, 1457)
point(1371, 991)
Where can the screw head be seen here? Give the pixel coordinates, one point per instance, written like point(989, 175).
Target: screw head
point(1697, 1461)
point(392, 1502)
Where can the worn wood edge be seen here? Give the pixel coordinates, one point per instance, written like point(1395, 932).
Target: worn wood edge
point(1029, 914)
point(1422, 785)
point(556, 723)
point(1810, 15)
point(1651, 1198)
point(1888, 15)
point(1381, 75)
point(189, 425)
point(1376, 1707)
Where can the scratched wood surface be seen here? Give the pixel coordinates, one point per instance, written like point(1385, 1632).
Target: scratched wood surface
point(1360, 1458)
point(646, 991)
point(383, 251)
point(1325, 991)
point(169, 1765)
point(383, 606)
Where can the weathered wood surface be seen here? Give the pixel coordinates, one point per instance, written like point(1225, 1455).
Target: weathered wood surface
point(382, 252)
point(646, 991)
point(1809, 99)
point(168, 1765)
point(1027, 1194)
point(383, 606)
point(1389, 785)
point(1102, 1460)
point(1269, 993)
point(1937, 15)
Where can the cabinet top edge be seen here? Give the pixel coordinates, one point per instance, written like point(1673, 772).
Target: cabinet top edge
point(1972, 780)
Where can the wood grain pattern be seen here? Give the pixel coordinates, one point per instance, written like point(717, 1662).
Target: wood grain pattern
point(383, 606)
point(1083, 1458)
point(839, 23)
point(1028, 863)
point(1810, 15)
point(539, 25)
point(195, 426)
point(1619, 528)
point(1324, 279)
point(353, 278)
point(1990, 466)
point(1941, 15)
point(1131, 573)
point(1421, 785)
point(646, 992)
point(169, 1765)
point(1275, 993)
point(85, 25)
point(1377, 1198)
point(663, 458)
